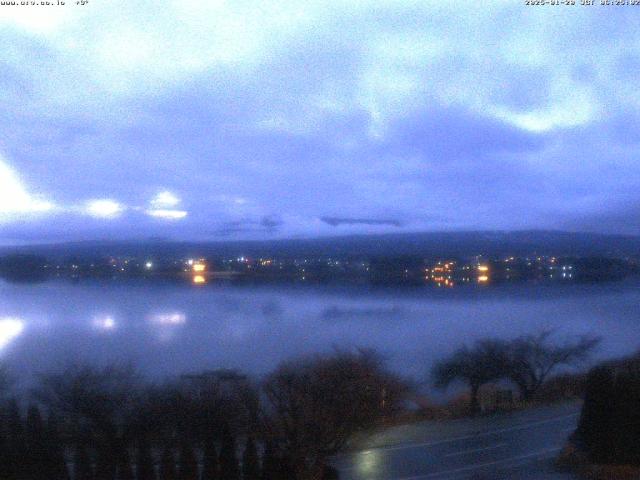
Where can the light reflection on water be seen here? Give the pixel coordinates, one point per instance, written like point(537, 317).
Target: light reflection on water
point(166, 323)
point(169, 329)
point(10, 328)
point(368, 463)
point(171, 318)
point(105, 323)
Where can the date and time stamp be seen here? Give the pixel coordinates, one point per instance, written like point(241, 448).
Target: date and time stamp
point(532, 3)
point(582, 3)
point(43, 3)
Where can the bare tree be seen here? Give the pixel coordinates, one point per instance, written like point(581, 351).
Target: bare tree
point(532, 358)
point(98, 405)
point(487, 360)
point(316, 404)
point(196, 406)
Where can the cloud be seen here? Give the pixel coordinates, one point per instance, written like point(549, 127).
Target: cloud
point(16, 202)
point(104, 208)
point(165, 199)
point(268, 224)
point(271, 222)
point(260, 120)
point(451, 133)
point(167, 214)
point(162, 206)
point(337, 221)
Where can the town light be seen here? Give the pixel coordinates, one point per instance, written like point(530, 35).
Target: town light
point(199, 267)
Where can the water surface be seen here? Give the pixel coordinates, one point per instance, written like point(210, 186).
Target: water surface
point(173, 328)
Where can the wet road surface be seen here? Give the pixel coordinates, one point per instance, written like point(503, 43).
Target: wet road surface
point(505, 446)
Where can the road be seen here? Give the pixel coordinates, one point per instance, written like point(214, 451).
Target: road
point(519, 445)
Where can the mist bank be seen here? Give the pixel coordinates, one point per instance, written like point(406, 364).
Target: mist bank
point(427, 244)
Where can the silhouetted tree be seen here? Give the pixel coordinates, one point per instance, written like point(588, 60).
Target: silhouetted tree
point(210, 460)
point(17, 461)
point(83, 469)
point(488, 360)
point(315, 404)
point(56, 468)
point(270, 463)
point(609, 426)
point(275, 466)
point(250, 461)
point(101, 402)
point(330, 473)
point(188, 462)
point(4, 445)
point(36, 461)
point(195, 405)
point(144, 461)
point(6, 467)
point(107, 459)
point(124, 468)
point(229, 467)
point(532, 358)
point(168, 464)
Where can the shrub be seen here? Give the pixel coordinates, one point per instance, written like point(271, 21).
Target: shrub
point(610, 422)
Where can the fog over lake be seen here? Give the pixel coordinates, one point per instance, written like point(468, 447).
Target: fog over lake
point(173, 328)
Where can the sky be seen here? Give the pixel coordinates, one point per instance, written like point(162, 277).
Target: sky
point(218, 120)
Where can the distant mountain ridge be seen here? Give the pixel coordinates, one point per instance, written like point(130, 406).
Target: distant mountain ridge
point(425, 244)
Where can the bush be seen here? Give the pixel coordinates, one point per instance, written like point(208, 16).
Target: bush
point(609, 426)
point(562, 387)
point(315, 404)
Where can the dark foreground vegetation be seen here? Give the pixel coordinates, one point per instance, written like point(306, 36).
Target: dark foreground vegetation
point(609, 428)
point(90, 423)
point(108, 423)
point(606, 444)
point(528, 362)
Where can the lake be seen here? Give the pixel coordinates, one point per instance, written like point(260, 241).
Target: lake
point(173, 328)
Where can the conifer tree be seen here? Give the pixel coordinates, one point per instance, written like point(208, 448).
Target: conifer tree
point(106, 460)
point(144, 462)
point(56, 465)
point(4, 444)
point(269, 462)
point(82, 464)
point(35, 461)
point(210, 460)
point(16, 445)
point(123, 464)
point(167, 465)
point(250, 461)
point(229, 468)
point(188, 462)
point(274, 465)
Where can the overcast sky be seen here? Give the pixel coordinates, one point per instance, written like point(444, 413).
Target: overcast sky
point(253, 119)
